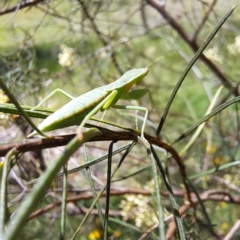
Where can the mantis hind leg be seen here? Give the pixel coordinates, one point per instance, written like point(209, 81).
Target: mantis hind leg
point(58, 90)
point(136, 95)
point(139, 109)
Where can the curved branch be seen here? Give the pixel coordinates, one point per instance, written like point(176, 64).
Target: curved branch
point(56, 141)
point(25, 4)
point(107, 135)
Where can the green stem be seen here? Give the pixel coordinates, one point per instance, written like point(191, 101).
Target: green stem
point(195, 58)
point(22, 214)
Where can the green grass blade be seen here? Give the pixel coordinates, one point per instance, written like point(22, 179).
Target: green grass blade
point(158, 197)
point(125, 224)
point(133, 174)
point(213, 170)
point(88, 164)
point(200, 127)
point(175, 206)
point(64, 203)
point(207, 117)
point(95, 161)
point(91, 182)
point(103, 189)
point(108, 189)
point(12, 109)
point(21, 216)
point(204, 211)
point(161, 225)
point(16, 103)
point(3, 192)
point(195, 58)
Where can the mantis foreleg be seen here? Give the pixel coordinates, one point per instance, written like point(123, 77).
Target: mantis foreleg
point(107, 100)
point(57, 90)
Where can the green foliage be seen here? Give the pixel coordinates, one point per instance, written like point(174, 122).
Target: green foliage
point(82, 45)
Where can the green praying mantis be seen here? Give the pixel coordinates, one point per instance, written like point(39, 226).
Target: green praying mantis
point(79, 110)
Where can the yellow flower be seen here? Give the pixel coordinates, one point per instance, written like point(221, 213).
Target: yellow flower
point(205, 178)
point(95, 234)
point(3, 97)
point(211, 149)
point(217, 161)
point(117, 234)
point(223, 204)
point(224, 226)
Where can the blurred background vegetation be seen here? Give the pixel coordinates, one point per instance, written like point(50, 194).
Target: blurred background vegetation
point(81, 45)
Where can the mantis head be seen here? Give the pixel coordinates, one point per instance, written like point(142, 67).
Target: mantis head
point(142, 73)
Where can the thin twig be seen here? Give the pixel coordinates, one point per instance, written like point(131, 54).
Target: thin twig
point(25, 4)
point(192, 43)
point(100, 35)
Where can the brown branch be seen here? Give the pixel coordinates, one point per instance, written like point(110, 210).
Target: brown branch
point(194, 46)
point(87, 196)
point(107, 135)
point(56, 141)
point(143, 14)
point(36, 144)
point(204, 20)
point(25, 4)
point(209, 195)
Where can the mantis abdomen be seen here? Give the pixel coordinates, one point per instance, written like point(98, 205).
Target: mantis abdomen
point(73, 112)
